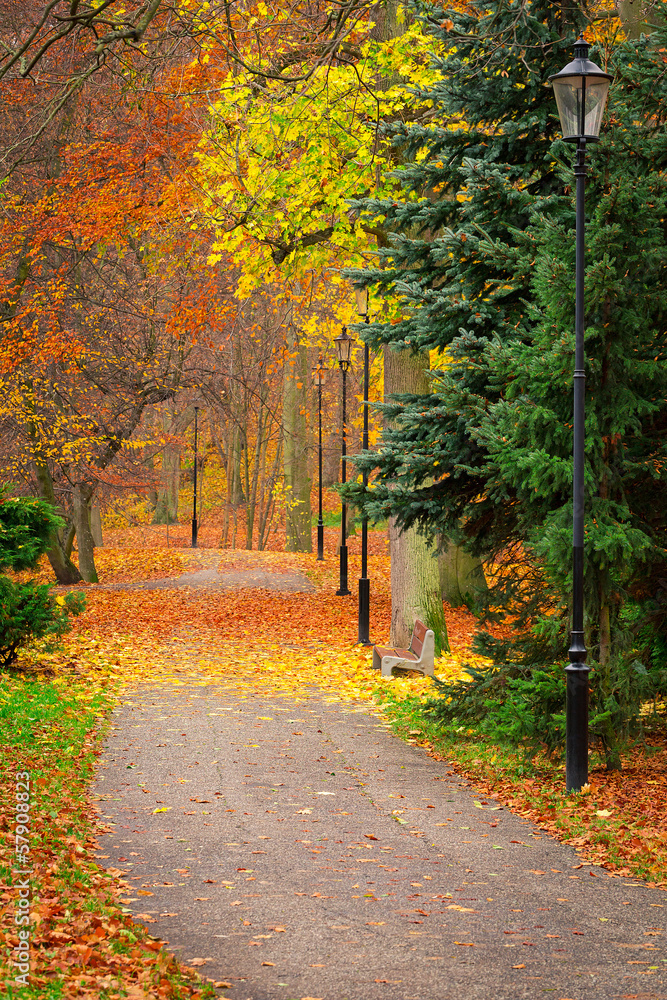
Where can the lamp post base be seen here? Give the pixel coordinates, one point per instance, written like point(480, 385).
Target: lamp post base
point(344, 590)
point(364, 611)
point(576, 740)
point(320, 541)
point(195, 530)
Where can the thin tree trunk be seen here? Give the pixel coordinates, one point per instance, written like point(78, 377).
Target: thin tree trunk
point(229, 472)
point(252, 486)
point(298, 517)
point(84, 537)
point(175, 425)
point(268, 508)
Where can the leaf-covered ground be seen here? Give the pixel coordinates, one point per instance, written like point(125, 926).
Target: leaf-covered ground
point(255, 641)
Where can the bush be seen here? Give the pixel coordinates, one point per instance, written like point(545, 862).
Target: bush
point(525, 705)
point(29, 611)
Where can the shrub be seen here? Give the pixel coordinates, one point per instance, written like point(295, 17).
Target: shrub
point(29, 611)
point(525, 705)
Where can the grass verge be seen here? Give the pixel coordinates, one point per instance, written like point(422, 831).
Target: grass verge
point(81, 942)
point(617, 822)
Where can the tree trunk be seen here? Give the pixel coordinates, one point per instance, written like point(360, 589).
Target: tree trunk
point(414, 582)
point(295, 448)
point(268, 500)
point(175, 424)
point(59, 553)
point(261, 442)
point(415, 579)
point(166, 509)
point(84, 537)
point(461, 575)
point(635, 17)
point(236, 483)
point(228, 498)
point(61, 564)
point(96, 526)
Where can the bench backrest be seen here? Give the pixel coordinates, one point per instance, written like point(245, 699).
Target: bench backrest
point(418, 636)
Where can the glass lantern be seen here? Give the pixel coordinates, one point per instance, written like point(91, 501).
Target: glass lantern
point(344, 348)
point(361, 295)
point(581, 95)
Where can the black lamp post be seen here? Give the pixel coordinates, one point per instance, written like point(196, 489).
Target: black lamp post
point(344, 347)
point(581, 94)
point(361, 295)
point(194, 494)
point(319, 375)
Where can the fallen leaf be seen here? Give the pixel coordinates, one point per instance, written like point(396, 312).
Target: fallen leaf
point(268, 963)
point(465, 944)
point(522, 965)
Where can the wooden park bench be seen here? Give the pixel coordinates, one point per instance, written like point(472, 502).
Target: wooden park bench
point(420, 655)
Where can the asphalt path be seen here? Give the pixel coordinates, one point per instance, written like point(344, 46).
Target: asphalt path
point(298, 850)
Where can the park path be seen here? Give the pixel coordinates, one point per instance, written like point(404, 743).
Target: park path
point(294, 849)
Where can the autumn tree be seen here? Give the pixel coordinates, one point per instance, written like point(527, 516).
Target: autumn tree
point(99, 295)
point(279, 195)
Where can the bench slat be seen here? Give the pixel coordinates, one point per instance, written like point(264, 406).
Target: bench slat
point(419, 631)
point(406, 654)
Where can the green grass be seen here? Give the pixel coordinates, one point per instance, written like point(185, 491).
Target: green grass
point(52, 729)
point(330, 519)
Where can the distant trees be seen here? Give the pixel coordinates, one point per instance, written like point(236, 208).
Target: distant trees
point(100, 277)
point(107, 307)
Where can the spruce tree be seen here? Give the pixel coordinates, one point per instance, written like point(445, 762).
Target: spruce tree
point(491, 281)
point(29, 611)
